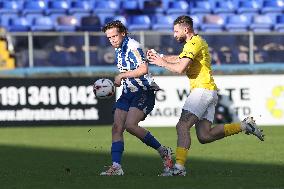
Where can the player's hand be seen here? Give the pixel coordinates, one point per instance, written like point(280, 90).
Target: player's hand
point(155, 58)
point(117, 80)
point(150, 52)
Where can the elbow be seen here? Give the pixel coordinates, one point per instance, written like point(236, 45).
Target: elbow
point(144, 70)
point(181, 71)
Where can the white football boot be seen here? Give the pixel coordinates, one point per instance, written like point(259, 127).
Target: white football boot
point(174, 172)
point(250, 127)
point(167, 159)
point(113, 171)
point(178, 172)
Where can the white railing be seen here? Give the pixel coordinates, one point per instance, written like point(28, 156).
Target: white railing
point(149, 39)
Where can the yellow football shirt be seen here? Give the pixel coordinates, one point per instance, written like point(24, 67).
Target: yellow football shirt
point(199, 72)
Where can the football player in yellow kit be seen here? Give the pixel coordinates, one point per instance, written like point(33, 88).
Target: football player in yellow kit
point(199, 107)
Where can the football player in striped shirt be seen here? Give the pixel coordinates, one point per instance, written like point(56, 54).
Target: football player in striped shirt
point(137, 99)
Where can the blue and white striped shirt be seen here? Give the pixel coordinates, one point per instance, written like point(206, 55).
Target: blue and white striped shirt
point(128, 57)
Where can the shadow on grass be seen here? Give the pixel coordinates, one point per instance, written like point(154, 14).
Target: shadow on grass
point(24, 167)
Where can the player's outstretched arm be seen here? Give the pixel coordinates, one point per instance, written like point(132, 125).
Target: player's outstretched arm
point(171, 58)
point(178, 67)
point(168, 58)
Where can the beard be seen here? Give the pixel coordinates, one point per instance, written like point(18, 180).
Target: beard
point(181, 39)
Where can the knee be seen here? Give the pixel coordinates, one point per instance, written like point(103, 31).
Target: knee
point(179, 126)
point(203, 138)
point(182, 127)
point(117, 129)
point(129, 128)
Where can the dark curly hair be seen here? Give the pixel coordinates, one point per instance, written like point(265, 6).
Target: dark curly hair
point(115, 24)
point(184, 20)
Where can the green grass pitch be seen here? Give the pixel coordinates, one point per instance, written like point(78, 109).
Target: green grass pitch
point(73, 157)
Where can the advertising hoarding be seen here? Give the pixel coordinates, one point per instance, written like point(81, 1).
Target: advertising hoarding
point(52, 101)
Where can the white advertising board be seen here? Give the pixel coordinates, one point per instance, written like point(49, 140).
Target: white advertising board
point(261, 96)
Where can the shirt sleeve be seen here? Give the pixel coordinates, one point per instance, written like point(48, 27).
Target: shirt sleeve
point(137, 56)
point(190, 50)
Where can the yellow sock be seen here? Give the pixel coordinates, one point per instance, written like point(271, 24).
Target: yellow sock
point(232, 128)
point(181, 154)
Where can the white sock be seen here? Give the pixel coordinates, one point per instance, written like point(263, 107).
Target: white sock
point(114, 164)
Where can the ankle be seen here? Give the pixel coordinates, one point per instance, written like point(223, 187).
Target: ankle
point(162, 151)
point(116, 165)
